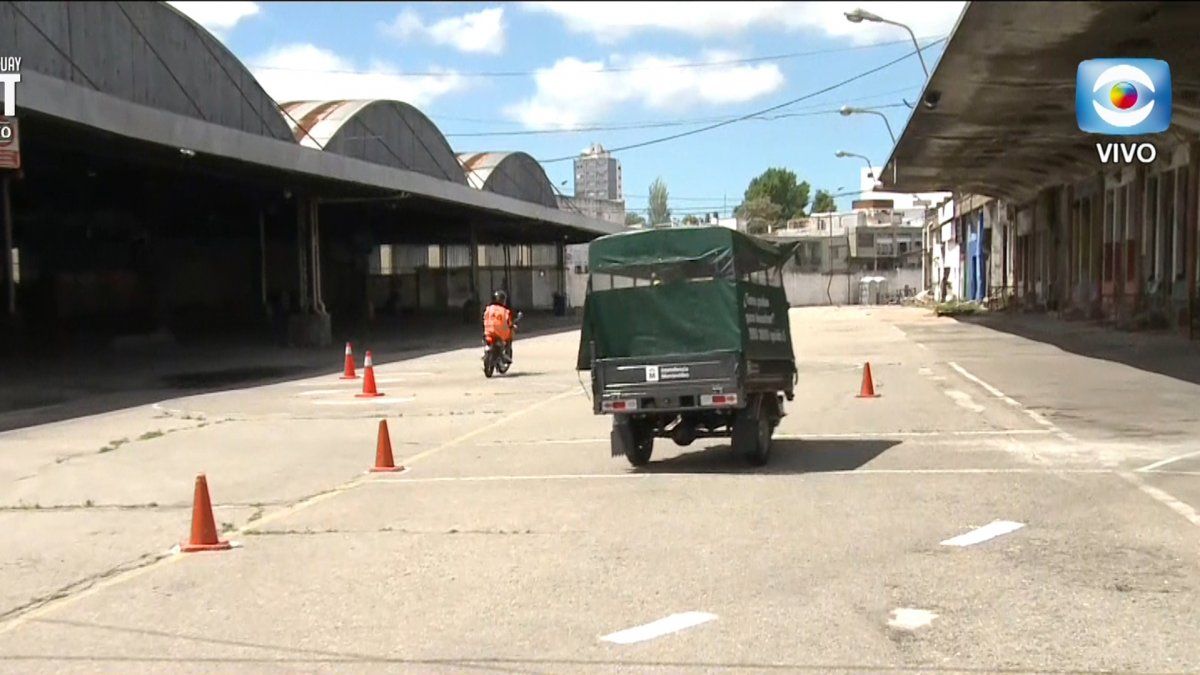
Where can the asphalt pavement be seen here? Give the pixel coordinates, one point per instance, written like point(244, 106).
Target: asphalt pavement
point(1011, 502)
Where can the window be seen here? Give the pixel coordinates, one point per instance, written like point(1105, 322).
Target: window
point(380, 261)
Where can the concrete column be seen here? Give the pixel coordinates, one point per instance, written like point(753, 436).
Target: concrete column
point(1190, 234)
point(309, 328)
point(10, 283)
point(262, 263)
point(474, 256)
point(314, 242)
point(302, 248)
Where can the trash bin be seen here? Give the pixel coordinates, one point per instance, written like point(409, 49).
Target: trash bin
point(560, 304)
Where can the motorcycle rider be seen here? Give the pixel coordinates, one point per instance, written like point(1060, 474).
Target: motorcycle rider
point(498, 322)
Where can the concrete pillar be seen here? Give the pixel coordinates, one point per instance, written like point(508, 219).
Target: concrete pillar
point(311, 327)
point(302, 248)
point(10, 282)
point(262, 263)
point(1190, 234)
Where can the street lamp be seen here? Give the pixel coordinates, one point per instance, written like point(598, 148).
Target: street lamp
point(847, 111)
point(860, 15)
point(842, 154)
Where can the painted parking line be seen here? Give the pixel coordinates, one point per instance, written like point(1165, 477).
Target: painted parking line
point(1163, 497)
point(981, 534)
point(1032, 414)
point(657, 629)
point(907, 618)
point(863, 435)
point(1169, 460)
point(382, 400)
point(688, 475)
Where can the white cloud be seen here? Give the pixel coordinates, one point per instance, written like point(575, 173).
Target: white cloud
point(477, 32)
point(571, 93)
point(613, 21)
point(218, 17)
point(307, 72)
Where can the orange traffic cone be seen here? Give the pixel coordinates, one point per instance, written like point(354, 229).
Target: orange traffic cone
point(383, 451)
point(348, 373)
point(868, 387)
point(369, 390)
point(204, 530)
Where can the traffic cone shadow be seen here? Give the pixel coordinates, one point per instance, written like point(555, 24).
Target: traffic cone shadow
point(868, 385)
point(204, 528)
point(383, 451)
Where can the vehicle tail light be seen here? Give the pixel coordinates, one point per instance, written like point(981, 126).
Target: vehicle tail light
point(619, 406)
point(719, 399)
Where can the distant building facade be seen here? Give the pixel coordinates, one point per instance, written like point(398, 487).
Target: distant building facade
point(611, 210)
point(598, 174)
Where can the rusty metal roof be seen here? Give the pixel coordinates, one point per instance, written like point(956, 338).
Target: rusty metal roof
point(378, 130)
point(515, 174)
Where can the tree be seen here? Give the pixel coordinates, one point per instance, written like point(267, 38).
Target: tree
point(691, 220)
point(659, 211)
point(760, 214)
point(632, 219)
point(779, 186)
point(823, 203)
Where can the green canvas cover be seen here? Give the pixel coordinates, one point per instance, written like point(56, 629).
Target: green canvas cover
point(685, 291)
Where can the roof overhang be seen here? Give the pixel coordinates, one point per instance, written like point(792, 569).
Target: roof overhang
point(73, 103)
point(1003, 123)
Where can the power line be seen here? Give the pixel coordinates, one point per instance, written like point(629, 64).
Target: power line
point(698, 120)
point(756, 113)
point(612, 69)
point(651, 125)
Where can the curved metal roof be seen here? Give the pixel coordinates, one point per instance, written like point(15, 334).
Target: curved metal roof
point(513, 174)
point(392, 133)
point(144, 52)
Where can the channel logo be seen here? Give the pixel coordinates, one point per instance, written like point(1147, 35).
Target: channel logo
point(1123, 97)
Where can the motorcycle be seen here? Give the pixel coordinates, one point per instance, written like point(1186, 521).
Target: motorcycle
point(497, 354)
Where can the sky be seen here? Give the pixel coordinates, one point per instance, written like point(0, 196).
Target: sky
point(551, 78)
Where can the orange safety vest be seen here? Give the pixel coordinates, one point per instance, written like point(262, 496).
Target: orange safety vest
point(497, 322)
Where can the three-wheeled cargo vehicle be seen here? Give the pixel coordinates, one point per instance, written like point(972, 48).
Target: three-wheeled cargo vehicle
point(686, 335)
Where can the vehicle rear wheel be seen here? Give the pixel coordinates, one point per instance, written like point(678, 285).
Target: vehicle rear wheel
point(488, 366)
point(504, 361)
point(634, 439)
point(752, 429)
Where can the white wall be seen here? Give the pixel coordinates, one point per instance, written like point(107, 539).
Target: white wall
point(806, 289)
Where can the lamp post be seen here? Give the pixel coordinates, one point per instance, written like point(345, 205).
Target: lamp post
point(847, 111)
point(860, 15)
point(842, 154)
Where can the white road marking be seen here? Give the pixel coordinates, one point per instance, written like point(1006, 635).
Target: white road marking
point(710, 476)
point(922, 346)
point(925, 371)
point(963, 399)
point(173, 556)
point(655, 629)
point(1164, 498)
point(1033, 414)
point(905, 618)
point(808, 437)
point(990, 389)
point(981, 534)
point(323, 392)
point(382, 400)
point(1169, 460)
